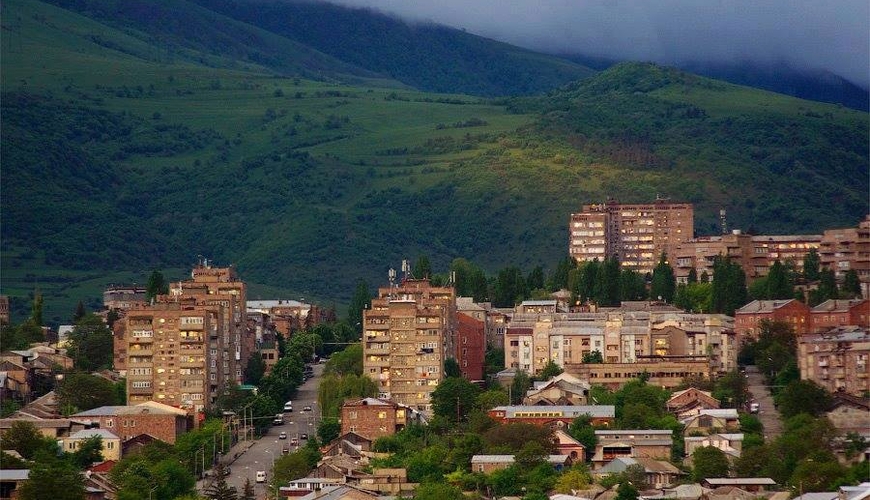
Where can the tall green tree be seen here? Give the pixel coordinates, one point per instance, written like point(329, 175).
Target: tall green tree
point(779, 283)
point(53, 478)
point(470, 280)
point(36, 308)
point(693, 276)
point(451, 368)
point(454, 398)
point(729, 286)
point(79, 312)
point(812, 264)
point(82, 391)
point(607, 283)
point(361, 300)
point(551, 369)
point(709, 461)
point(23, 437)
point(520, 384)
point(422, 268)
point(559, 279)
point(157, 285)
point(256, 369)
point(219, 489)
point(827, 288)
point(664, 284)
point(535, 279)
point(851, 285)
point(632, 286)
point(510, 287)
point(91, 344)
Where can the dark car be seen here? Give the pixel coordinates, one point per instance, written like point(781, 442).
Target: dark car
point(303, 436)
point(307, 408)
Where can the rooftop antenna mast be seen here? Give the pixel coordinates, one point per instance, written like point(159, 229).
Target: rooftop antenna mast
point(406, 269)
point(391, 274)
point(723, 221)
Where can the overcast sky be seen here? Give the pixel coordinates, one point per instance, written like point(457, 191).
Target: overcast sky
point(818, 34)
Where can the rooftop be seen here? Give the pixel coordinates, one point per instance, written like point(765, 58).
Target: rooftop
point(600, 411)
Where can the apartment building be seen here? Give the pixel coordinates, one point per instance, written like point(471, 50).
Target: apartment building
point(123, 297)
point(668, 372)
point(622, 335)
point(833, 313)
point(373, 418)
point(470, 347)
point(837, 359)
point(636, 234)
point(172, 354)
point(748, 318)
point(408, 332)
point(844, 249)
point(221, 286)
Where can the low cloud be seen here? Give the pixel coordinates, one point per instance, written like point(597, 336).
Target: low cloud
point(809, 34)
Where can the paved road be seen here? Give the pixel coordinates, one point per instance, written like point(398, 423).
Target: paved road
point(768, 414)
point(261, 455)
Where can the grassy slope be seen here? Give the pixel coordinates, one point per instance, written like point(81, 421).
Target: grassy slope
point(308, 185)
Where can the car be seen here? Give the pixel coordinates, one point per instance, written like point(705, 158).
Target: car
point(261, 476)
point(294, 442)
point(285, 450)
point(227, 471)
point(306, 408)
point(288, 406)
point(283, 435)
point(754, 408)
point(303, 436)
point(279, 420)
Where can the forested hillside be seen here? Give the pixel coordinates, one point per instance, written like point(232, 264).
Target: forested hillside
point(124, 151)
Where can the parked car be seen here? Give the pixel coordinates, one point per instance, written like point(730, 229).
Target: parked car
point(306, 408)
point(294, 442)
point(261, 476)
point(279, 420)
point(303, 436)
point(283, 435)
point(754, 408)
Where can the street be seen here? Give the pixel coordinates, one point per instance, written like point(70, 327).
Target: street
point(263, 452)
point(767, 413)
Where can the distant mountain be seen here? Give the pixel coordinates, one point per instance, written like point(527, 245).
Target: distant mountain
point(429, 57)
point(821, 86)
point(127, 150)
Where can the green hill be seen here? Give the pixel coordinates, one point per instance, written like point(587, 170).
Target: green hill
point(117, 160)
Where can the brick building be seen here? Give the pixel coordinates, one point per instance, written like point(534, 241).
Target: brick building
point(837, 359)
point(833, 313)
point(748, 317)
point(470, 347)
point(690, 402)
point(373, 418)
point(636, 234)
point(123, 297)
point(408, 332)
point(157, 420)
point(553, 416)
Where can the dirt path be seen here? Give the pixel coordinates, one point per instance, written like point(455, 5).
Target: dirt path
point(767, 413)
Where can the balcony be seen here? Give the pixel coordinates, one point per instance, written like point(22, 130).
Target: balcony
point(141, 390)
point(140, 352)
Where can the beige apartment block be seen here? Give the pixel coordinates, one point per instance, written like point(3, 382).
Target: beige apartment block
point(849, 248)
point(636, 234)
point(408, 333)
point(837, 359)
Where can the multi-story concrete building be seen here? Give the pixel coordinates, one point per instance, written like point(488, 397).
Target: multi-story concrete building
point(632, 443)
point(622, 335)
point(849, 248)
point(408, 332)
point(123, 297)
point(170, 348)
point(221, 286)
point(837, 359)
point(664, 371)
point(636, 234)
point(157, 420)
point(553, 416)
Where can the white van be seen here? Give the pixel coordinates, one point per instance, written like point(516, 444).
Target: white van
point(288, 406)
point(261, 476)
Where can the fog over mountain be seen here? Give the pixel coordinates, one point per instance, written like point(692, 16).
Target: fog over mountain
point(804, 34)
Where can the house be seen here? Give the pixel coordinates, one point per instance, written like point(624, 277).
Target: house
point(158, 420)
point(562, 390)
point(553, 416)
point(111, 442)
point(730, 444)
point(691, 401)
point(833, 313)
point(850, 413)
point(374, 418)
point(489, 463)
point(567, 445)
point(10, 480)
point(333, 492)
point(350, 444)
point(633, 443)
point(751, 484)
point(387, 481)
point(56, 428)
point(659, 474)
point(748, 317)
point(710, 421)
point(135, 444)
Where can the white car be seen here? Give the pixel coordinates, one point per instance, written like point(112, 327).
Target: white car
point(261, 476)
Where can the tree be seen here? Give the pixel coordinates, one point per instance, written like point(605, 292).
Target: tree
point(469, 280)
point(510, 287)
point(607, 283)
point(626, 491)
point(248, 491)
point(256, 369)
point(826, 290)
point(535, 279)
point(79, 312)
point(520, 384)
point(494, 360)
point(551, 369)
point(219, 489)
point(851, 285)
point(530, 455)
point(709, 461)
point(575, 478)
point(632, 286)
point(451, 368)
point(729, 286)
point(438, 491)
point(812, 263)
point(91, 344)
point(83, 391)
point(454, 398)
point(53, 478)
point(692, 277)
point(26, 439)
point(422, 268)
point(593, 357)
point(559, 279)
point(328, 430)
point(779, 284)
point(490, 399)
point(803, 396)
point(157, 285)
point(510, 438)
point(361, 300)
point(346, 362)
point(664, 284)
point(36, 308)
point(89, 451)
point(582, 430)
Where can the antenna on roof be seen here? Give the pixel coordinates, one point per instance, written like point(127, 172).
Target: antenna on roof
point(723, 222)
point(406, 269)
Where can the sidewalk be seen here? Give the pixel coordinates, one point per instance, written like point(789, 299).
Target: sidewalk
point(233, 453)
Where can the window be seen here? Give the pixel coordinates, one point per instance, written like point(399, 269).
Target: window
point(352, 414)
